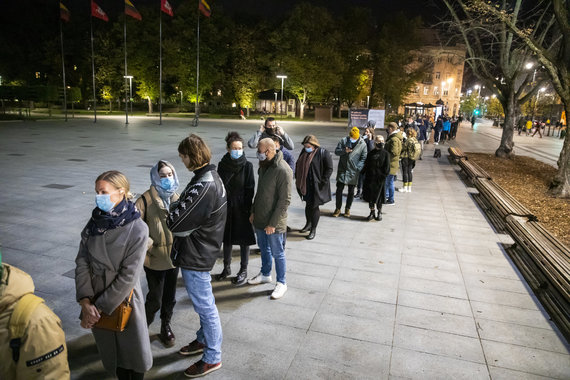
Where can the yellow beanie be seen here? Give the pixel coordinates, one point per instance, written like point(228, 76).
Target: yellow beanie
point(354, 133)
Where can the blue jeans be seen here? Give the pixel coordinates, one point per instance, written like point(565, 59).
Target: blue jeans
point(390, 187)
point(272, 246)
point(199, 288)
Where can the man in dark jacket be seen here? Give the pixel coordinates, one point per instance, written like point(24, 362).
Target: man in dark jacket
point(268, 129)
point(197, 223)
point(269, 214)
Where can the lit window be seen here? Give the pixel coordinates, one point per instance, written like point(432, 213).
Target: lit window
point(426, 90)
point(38, 75)
point(437, 75)
point(435, 90)
point(445, 92)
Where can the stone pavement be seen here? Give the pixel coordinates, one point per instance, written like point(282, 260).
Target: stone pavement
point(427, 293)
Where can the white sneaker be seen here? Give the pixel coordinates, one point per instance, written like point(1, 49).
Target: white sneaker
point(279, 291)
point(402, 189)
point(259, 279)
point(409, 189)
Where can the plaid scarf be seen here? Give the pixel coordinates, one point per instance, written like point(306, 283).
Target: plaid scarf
point(101, 221)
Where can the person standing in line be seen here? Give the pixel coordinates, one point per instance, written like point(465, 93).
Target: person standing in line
point(197, 222)
point(38, 350)
point(352, 152)
point(454, 127)
point(422, 136)
point(268, 129)
point(312, 179)
point(394, 147)
point(108, 269)
point(287, 155)
point(161, 275)
point(269, 214)
point(446, 130)
point(437, 130)
point(408, 155)
point(369, 139)
point(376, 169)
point(429, 122)
point(236, 173)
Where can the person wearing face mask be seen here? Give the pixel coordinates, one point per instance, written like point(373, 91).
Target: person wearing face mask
point(376, 169)
point(314, 169)
point(161, 275)
point(237, 175)
point(352, 152)
point(369, 139)
point(269, 214)
point(108, 268)
point(268, 129)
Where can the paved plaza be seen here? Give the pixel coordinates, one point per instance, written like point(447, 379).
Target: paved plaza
point(427, 293)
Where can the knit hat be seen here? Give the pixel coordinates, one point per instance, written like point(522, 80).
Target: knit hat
point(354, 133)
point(310, 139)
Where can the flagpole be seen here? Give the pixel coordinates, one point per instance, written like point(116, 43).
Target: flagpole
point(197, 110)
point(93, 65)
point(160, 64)
point(63, 70)
point(126, 83)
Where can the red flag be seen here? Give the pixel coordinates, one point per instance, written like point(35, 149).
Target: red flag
point(64, 12)
point(96, 11)
point(166, 7)
point(204, 8)
point(132, 11)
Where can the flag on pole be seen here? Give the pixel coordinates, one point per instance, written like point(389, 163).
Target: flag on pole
point(166, 7)
point(130, 10)
point(64, 12)
point(204, 8)
point(96, 11)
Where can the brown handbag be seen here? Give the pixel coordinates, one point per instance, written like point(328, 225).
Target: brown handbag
point(117, 321)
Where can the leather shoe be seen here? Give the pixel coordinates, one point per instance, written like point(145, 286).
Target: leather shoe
point(166, 335)
point(307, 228)
point(311, 236)
point(371, 216)
point(378, 216)
point(225, 273)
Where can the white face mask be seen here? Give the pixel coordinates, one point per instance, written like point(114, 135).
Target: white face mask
point(261, 156)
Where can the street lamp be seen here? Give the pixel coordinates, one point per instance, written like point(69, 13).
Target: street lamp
point(275, 103)
point(478, 88)
point(282, 77)
point(130, 78)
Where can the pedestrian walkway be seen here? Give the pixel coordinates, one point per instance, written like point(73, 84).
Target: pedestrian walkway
point(427, 293)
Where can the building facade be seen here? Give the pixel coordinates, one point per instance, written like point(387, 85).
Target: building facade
point(441, 86)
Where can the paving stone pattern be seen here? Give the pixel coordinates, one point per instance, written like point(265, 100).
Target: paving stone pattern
point(427, 293)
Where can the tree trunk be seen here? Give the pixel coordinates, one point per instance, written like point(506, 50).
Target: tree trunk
point(110, 106)
point(505, 149)
point(560, 185)
point(149, 105)
point(302, 110)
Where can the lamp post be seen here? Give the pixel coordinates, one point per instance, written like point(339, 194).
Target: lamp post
point(275, 103)
point(282, 77)
point(130, 78)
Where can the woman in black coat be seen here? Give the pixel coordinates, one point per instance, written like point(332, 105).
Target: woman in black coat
point(237, 174)
point(312, 174)
point(376, 169)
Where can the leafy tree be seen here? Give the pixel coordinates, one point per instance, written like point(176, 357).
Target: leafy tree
point(469, 104)
point(495, 108)
point(307, 51)
point(395, 73)
point(107, 94)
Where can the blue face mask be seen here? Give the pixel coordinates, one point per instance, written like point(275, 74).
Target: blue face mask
point(261, 156)
point(353, 140)
point(167, 183)
point(236, 153)
point(104, 202)
point(308, 150)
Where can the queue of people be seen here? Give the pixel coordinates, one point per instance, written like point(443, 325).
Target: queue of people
point(166, 233)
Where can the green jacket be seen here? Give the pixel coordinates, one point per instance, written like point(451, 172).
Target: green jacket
point(394, 147)
point(350, 164)
point(408, 148)
point(273, 195)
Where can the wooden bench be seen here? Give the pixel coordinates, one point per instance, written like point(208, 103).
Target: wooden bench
point(500, 200)
point(545, 263)
point(472, 170)
point(456, 153)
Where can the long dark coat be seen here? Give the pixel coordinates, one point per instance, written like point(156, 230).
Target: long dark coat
point(318, 181)
point(238, 179)
point(376, 169)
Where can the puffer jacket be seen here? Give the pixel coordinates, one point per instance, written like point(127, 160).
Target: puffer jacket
point(43, 352)
point(408, 148)
point(273, 195)
point(350, 164)
point(160, 238)
point(394, 147)
point(197, 221)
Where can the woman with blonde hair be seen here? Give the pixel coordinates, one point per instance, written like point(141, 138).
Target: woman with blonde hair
point(411, 150)
point(108, 269)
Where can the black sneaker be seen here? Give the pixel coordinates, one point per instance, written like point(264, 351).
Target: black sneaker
point(201, 368)
point(241, 278)
point(192, 348)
